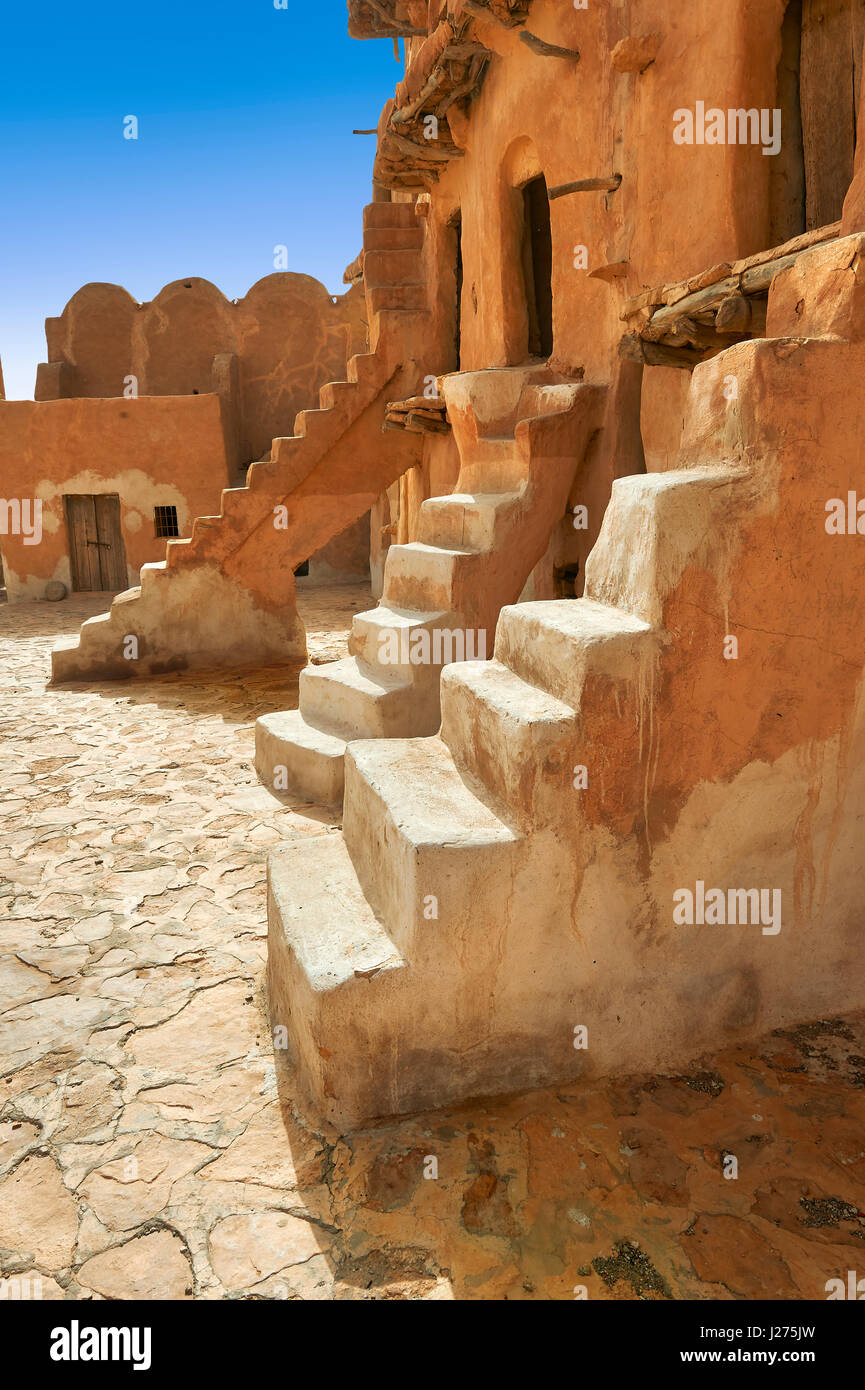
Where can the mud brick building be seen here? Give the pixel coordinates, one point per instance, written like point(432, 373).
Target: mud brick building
point(616, 329)
point(144, 413)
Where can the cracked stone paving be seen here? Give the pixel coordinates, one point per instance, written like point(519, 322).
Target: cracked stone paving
point(150, 1141)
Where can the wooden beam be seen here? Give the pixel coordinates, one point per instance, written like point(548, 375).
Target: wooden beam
point(632, 348)
point(734, 314)
point(407, 29)
point(404, 114)
point(483, 12)
point(465, 89)
point(609, 185)
point(435, 154)
point(548, 50)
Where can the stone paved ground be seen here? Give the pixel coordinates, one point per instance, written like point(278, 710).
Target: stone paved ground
point(149, 1146)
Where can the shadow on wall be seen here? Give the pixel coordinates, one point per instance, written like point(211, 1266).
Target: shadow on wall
point(266, 354)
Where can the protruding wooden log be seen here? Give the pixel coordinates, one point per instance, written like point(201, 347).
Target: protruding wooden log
point(604, 185)
point(633, 348)
point(733, 315)
point(616, 270)
point(548, 50)
point(434, 152)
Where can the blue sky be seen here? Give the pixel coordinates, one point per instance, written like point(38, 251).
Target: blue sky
point(245, 118)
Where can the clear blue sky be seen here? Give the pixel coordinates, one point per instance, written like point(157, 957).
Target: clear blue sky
point(245, 117)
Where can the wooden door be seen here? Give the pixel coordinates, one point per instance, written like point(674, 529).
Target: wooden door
point(97, 555)
point(831, 60)
point(112, 552)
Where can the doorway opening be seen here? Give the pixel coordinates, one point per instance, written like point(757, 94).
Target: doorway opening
point(456, 226)
point(97, 554)
point(537, 258)
point(818, 84)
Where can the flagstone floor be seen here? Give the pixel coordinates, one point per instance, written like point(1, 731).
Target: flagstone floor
point(150, 1145)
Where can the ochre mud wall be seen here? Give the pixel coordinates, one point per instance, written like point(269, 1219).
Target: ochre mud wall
point(155, 451)
point(585, 119)
point(680, 208)
point(266, 354)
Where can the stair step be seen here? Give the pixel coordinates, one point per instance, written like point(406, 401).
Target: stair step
point(413, 825)
point(469, 521)
point(290, 461)
point(323, 914)
point(177, 552)
point(422, 576)
point(393, 239)
point(384, 627)
point(333, 392)
point(357, 700)
point(407, 296)
point(512, 736)
point(384, 268)
point(152, 574)
point(95, 630)
point(294, 757)
point(326, 950)
point(493, 464)
point(232, 497)
point(360, 366)
point(309, 423)
point(389, 215)
point(555, 645)
point(654, 525)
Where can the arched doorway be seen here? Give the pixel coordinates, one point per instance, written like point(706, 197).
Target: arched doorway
point(537, 264)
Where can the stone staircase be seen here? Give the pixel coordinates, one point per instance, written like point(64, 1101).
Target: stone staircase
point(226, 596)
point(521, 434)
point(500, 886)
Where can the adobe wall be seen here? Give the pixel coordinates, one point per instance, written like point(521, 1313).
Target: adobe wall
point(680, 208)
point(167, 450)
point(267, 354)
point(346, 557)
point(581, 120)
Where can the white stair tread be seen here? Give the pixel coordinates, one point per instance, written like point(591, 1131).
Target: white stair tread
point(507, 694)
point(388, 616)
point(289, 726)
point(429, 801)
point(329, 925)
point(579, 618)
point(419, 550)
point(471, 499)
point(357, 675)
